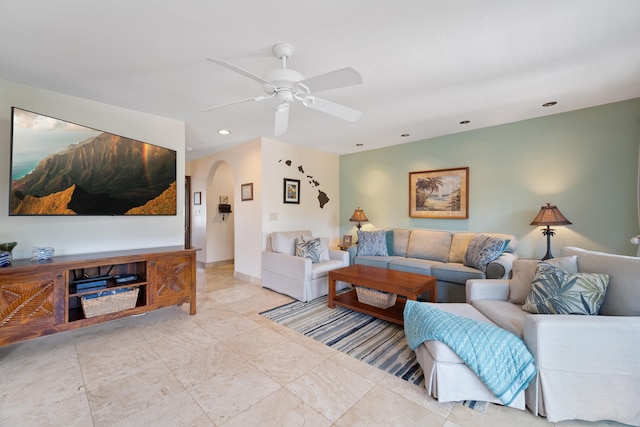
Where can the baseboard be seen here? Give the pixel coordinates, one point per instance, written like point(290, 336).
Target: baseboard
point(247, 278)
point(215, 263)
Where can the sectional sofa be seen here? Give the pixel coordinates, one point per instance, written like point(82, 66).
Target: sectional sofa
point(588, 365)
point(437, 253)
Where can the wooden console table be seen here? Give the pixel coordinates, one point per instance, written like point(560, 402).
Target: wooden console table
point(39, 298)
point(406, 285)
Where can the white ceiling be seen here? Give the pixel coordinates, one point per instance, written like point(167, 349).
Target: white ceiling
point(426, 64)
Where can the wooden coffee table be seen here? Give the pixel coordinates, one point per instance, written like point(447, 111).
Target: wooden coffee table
point(405, 285)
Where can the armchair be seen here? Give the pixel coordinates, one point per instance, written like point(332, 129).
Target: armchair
point(286, 273)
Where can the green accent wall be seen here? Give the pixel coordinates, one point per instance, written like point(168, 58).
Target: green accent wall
point(584, 161)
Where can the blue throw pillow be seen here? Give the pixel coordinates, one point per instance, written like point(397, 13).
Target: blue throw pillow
point(390, 243)
point(482, 250)
point(372, 243)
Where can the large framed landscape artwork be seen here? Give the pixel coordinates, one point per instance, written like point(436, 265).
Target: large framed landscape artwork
point(440, 193)
point(62, 168)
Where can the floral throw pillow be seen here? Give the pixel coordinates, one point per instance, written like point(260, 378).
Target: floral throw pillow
point(372, 243)
point(308, 249)
point(482, 250)
point(555, 291)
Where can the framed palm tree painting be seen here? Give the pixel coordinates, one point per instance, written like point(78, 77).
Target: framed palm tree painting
point(440, 193)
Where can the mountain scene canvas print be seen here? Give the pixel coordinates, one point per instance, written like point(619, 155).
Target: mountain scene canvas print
point(61, 168)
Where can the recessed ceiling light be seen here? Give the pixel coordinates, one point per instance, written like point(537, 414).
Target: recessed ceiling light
point(224, 132)
point(549, 104)
point(404, 135)
point(359, 144)
point(189, 149)
point(465, 122)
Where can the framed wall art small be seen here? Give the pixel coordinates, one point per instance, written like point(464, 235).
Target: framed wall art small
point(291, 191)
point(440, 193)
point(246, 191)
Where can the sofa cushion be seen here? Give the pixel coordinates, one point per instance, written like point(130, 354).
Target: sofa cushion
point(524, 270)
point(459, 243)
point(401, 242)
point(308, 249)
point(429, 244)
point(482, 250)
point(413, 265)
point(456, 272)
point(623, 293)
point(285, 241)
point(372, 243)
point(555, 291)
point(324, 249)
point(373, 261)
point(504, 314)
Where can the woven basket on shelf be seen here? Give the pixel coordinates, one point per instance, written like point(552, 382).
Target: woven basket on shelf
point(375, 298)
point(93, 307)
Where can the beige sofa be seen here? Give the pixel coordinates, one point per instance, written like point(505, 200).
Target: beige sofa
point(286, 273)
point(441, 254)
point(588, 366)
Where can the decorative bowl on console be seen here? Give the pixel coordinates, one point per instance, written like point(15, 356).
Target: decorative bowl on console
point(42, 253)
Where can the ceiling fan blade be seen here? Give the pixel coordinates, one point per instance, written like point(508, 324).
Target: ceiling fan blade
point(333, 80)
point(331, 108)
point(282, 119)
point(239, 70)
point(256, 98)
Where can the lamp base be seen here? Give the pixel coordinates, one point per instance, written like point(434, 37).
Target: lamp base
point(548, 232)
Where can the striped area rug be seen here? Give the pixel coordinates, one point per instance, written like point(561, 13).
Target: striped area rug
point(377, 342)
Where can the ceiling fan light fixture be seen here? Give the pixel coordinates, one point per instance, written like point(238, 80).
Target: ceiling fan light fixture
point(288, 85)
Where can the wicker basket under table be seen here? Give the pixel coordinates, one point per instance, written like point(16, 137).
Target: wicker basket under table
point(375, 298)
point(93, 307)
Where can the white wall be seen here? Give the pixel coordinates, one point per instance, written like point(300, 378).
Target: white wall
point(245, 164)
point(262, 162)
point(220, 233)
point(71, 235)
point(323, 168)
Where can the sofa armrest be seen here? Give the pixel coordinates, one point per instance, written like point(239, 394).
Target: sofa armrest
point(340, 256)
point(500, 268)
point(352, 251)
point(287, 265)
point(495, 289)
point(600, 344)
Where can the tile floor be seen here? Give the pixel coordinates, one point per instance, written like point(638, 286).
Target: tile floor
point(225, 366)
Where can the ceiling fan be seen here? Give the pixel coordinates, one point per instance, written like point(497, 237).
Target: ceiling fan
point(287, 86)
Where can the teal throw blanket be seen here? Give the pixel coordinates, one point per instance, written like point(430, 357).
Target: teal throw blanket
point(499, 358)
